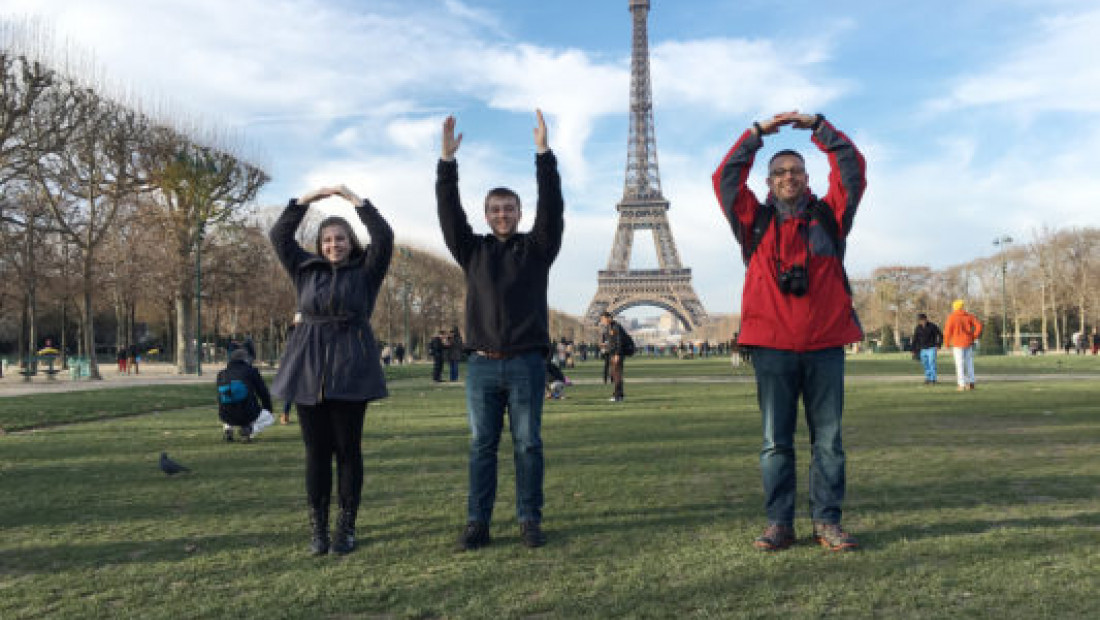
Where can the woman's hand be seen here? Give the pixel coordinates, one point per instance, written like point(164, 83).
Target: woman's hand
point(313, 196)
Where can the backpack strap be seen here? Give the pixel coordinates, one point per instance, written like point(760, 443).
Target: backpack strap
point(760, 223)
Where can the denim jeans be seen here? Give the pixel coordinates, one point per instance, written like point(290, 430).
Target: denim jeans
point(928, 360)
point(818, 378)
point(493, 386)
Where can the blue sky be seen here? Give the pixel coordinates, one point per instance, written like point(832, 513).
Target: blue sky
point(977, 117)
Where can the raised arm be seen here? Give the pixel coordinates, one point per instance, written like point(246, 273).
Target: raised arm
point(457, 233)
point(550, 210)
point(847, 170)
point(738, 203)
point(380, 250)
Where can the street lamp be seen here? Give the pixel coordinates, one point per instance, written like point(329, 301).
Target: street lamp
point(406, 288)
point(198, 299)
point(1000, 243)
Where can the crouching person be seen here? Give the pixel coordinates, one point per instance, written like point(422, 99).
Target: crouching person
point(242, 397)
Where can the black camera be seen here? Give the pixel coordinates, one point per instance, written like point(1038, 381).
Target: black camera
point(794, 281)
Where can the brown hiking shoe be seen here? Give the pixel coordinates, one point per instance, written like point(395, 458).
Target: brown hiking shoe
point(776, 538)
point(833, 537)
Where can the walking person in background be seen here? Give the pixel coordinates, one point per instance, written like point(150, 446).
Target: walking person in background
point(959, 332)
point(437, 348)
point(507, 330)
point(121, 358)
point(455, 352)
point(331, 366)
point(797, 313)
point(927, 339)
point(615, 354)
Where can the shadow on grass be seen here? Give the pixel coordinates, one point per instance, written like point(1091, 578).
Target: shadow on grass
point(1033, 526)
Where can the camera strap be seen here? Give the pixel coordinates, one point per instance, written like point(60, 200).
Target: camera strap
point(804, 232)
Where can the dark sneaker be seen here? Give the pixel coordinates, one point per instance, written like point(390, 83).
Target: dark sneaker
point(776, 538)
point(531, 534)
point(246, 434)
point(475, 536)
point(833, 537)
point(229, 434)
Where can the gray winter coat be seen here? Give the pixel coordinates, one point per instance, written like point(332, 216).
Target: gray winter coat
point(332, 354)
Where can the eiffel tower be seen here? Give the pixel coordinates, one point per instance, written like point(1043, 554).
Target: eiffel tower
point(643, 207)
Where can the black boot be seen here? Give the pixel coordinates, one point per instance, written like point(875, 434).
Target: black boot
point(344, 541)
point(318, 519)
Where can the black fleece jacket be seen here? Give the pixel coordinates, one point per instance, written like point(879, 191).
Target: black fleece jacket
point(506, 309)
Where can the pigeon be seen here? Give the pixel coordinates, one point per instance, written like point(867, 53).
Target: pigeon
point(169, 466)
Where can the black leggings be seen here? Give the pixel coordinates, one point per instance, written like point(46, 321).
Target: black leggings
point(333, 427)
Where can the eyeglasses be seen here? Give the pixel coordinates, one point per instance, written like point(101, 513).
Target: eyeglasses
point(497, 210)
point(796, 171)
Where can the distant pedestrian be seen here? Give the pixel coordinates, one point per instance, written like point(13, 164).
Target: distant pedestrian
point(960, 332)
point(133, 359)
point(121, 358)
point(1095, 340)
point(616, 354)
point(399, 353)
point(436, 349)
point(455, 352)
point(387, 355)
point(927, 339)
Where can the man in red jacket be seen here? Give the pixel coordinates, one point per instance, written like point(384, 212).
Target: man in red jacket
point(796, 313)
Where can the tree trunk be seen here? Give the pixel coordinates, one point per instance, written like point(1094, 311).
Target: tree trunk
point(185, 329)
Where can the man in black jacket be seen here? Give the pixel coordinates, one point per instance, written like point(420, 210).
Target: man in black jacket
point(507, 331)
point(242, 394)
point(927, 338)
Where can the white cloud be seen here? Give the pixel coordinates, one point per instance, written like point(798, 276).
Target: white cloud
point(1054, 70)
point(742, 77)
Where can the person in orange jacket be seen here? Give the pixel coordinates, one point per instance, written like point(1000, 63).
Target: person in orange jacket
point(959, 332)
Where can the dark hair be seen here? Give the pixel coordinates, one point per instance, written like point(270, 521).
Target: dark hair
point(921, 315)
point(785, 152)
point(502, 192)
point(336, 220)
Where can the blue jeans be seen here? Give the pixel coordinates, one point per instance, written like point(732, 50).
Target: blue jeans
point(928, 360)
point(818, 377)
point(454, 370)
point(492, 386)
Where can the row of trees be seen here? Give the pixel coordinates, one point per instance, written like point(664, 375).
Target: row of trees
point(102, 200)
point(1044, 287)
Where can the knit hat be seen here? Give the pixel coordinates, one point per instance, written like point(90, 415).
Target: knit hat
point(239, 355)
point(957, 304)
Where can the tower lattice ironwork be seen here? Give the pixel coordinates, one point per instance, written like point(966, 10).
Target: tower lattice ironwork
point(644, 207)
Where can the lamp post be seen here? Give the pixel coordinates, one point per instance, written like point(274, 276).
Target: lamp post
point(1000, 243)
point(406, 288)
point(198, 299)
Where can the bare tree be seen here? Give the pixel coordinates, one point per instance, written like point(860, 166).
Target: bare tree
point(200, 186)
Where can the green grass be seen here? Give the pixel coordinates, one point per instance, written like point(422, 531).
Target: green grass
point(977, 504)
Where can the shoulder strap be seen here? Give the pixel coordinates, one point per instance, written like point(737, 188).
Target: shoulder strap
point(760, 223)
point(824, 215)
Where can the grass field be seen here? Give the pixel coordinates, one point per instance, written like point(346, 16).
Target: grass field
point(977, 504)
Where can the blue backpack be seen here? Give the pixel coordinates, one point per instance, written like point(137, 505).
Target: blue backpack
point(232, 392)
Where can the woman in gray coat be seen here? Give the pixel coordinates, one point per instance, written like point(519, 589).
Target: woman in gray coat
point(331, 368)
